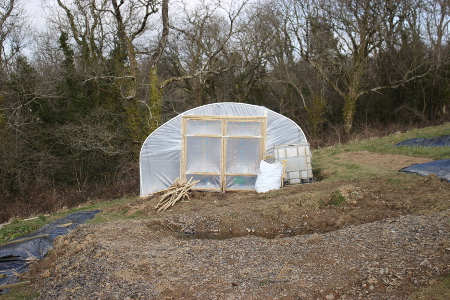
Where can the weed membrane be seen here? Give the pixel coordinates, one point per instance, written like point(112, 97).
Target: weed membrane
point(438, 141)
point(15, 256)
point(440, 168)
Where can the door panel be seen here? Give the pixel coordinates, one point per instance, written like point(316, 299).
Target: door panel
point(222, 152)
point(242, 155)
point(243, 128)
point(240, 182)
point(203, 154)
point(206, 181)
point(204, 127)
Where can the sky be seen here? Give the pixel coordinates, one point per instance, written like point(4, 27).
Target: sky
point(34, 10)
point(37, 14)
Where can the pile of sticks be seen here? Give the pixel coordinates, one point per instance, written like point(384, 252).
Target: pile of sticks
point(179, 190)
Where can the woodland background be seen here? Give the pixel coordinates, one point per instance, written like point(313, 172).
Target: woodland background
point(80, 95)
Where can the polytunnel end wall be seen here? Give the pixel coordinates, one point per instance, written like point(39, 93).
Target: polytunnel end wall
point(159, 159)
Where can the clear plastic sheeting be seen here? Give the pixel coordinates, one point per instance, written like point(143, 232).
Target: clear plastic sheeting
point(15, 256)
point(241, 182)
point(240, 159)
point(160, 156)
point(203, 154)
point(206, 181)
point(235, 151)
point(440, 168)
point(244, 129)
point(204, 127)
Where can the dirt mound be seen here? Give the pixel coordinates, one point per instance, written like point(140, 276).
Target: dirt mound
point(370, 239)
point(130, 260)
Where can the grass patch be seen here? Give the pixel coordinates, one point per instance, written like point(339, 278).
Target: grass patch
point(330, 168)
point(337, 199)
point(271, 194)
point(110, 215)
point(439, 291)
point(24, 292)
point(401, 178)
point(333, 169)
point(263, 282)
point(18, 228)
point(385, 145)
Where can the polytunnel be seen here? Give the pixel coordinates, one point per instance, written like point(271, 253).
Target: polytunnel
point(219, 144)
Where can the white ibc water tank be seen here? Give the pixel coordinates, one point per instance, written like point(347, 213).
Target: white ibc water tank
point(297, 159)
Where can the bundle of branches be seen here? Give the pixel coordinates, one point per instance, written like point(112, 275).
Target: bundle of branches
point(179, 190)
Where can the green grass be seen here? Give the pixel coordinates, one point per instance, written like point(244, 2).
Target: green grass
point(337, 199)
point(18, 228)
point(270, 194)
point(385, 145)
point(439, 291)
point(111, 216)
point(24, 292)
point(331, 168)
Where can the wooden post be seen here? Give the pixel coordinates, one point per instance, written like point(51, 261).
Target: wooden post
point(223, 157)
point(183, 148)
point(284, 172)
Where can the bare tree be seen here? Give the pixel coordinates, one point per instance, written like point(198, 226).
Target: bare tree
point(201, 39)
point(438, 27)
point(340, 38)
point(108, 32)
point(438, 35)
point(83, 20)
point(131, 20)
point(11, 40)
point(11, 23)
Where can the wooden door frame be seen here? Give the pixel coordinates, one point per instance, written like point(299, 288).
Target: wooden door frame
point(224, 120)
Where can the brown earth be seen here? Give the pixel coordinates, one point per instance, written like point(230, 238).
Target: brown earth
point(390, 162)
point(371, 239)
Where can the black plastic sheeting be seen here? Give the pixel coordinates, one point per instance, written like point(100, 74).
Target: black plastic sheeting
point(438, 141)
point(15, 256)
point(439, 167)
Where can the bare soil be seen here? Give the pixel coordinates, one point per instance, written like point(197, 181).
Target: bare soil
point(390, 162)
point(371, 239)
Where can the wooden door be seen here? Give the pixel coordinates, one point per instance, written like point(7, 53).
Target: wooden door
point(222, 152)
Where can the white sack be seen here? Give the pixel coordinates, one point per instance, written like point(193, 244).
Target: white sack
point(269, 177)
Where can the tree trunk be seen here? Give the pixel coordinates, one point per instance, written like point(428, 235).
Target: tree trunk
point(349, 111)
point(155, 101)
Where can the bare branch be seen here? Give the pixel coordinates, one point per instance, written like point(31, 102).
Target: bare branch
point(164, 36)
point(196, 74)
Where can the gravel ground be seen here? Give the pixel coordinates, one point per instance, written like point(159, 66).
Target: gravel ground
point(387, 259)
point(389, 238)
